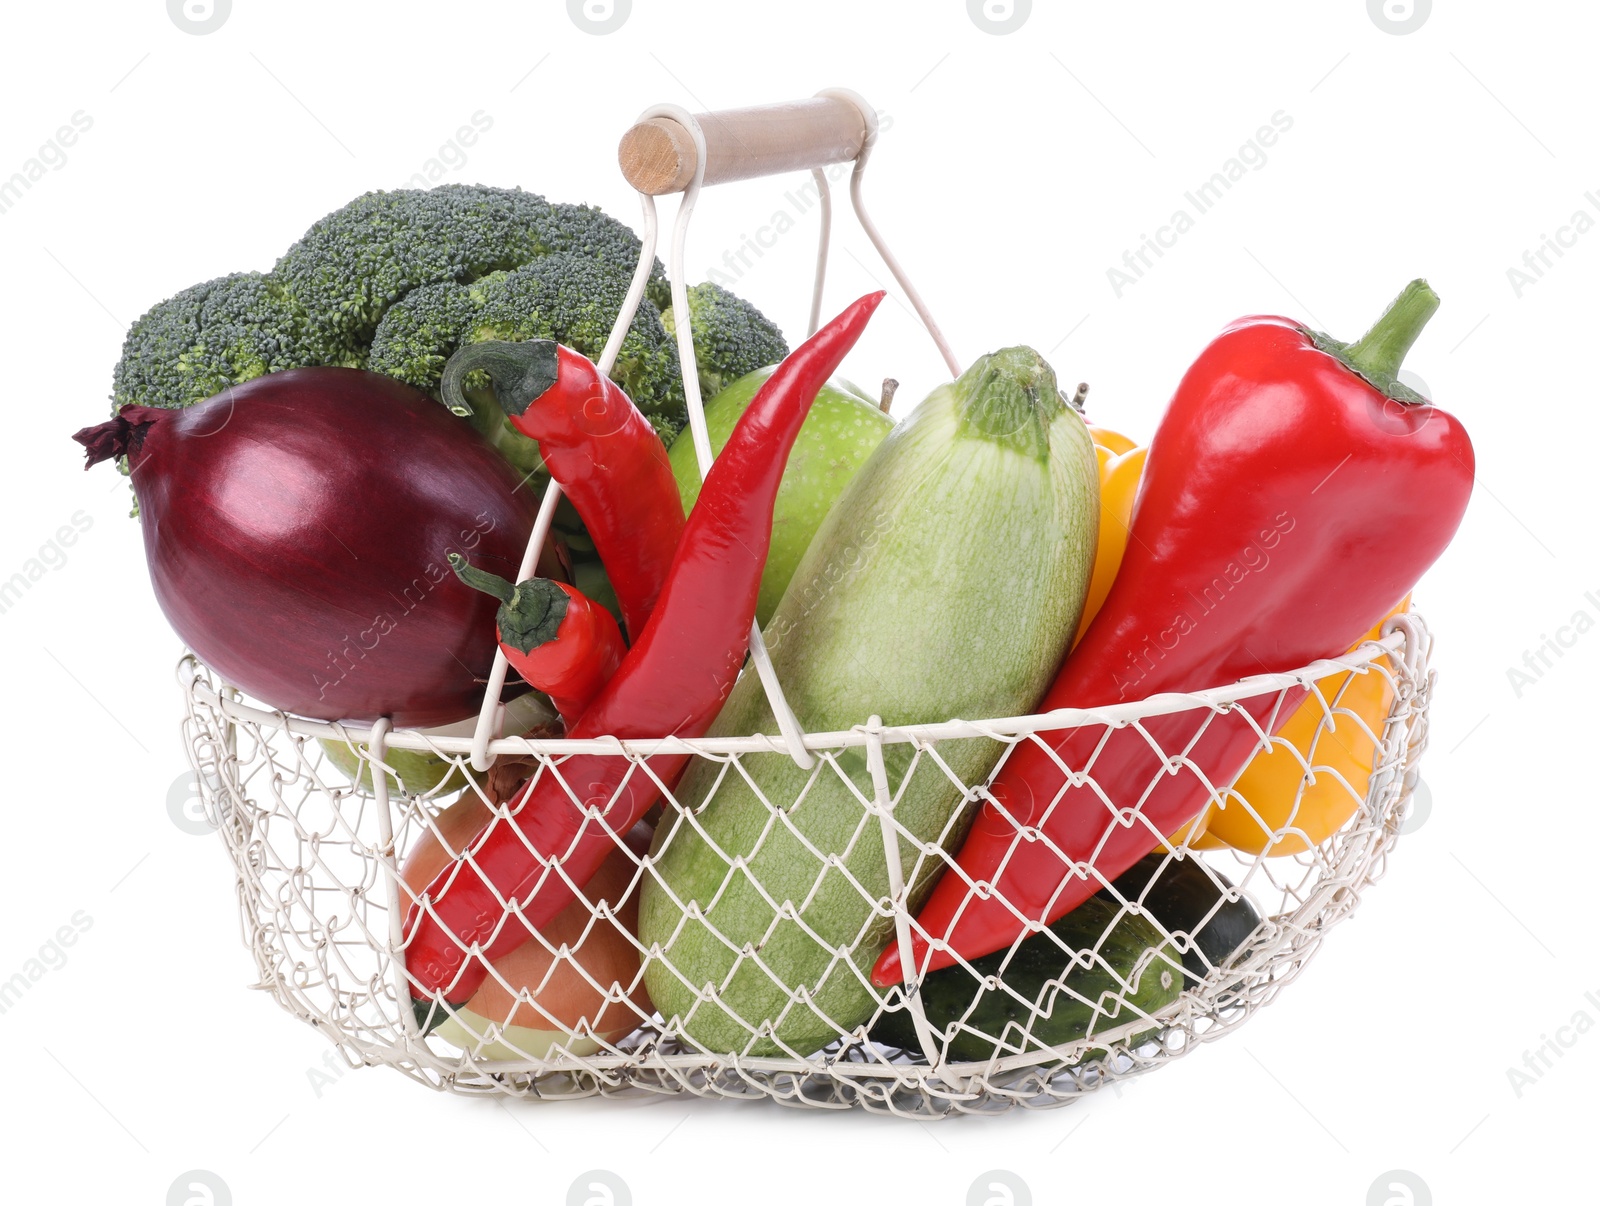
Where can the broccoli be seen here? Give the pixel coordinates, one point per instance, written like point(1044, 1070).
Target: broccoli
point(731, 337)
point(206, 338)
point(322, 302)
point(395, 281)
point(565, 296)
point(349, 268)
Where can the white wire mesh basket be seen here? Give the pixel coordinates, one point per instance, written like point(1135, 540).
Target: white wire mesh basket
point(319, 819)
point(322, 904)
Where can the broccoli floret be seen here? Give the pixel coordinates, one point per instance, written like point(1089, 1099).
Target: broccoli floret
point(358, 261)
point(731, 337)
point(586, 230)
point(575, 301)
point(209, 336)
point(566, 296)
point(323, 301)
point(422, 331)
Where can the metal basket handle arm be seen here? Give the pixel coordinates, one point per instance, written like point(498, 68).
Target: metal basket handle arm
point(489, 714)
point(670, 150)
point(788, 723)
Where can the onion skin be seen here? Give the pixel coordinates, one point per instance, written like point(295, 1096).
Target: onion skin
point(296, 529)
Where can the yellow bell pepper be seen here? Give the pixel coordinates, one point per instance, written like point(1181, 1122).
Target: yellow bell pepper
point(1119, 484)
point(1290, 808)
point(1113, 442)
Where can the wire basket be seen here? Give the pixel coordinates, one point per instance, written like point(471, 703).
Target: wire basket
point(320, 817)
point(322, 905)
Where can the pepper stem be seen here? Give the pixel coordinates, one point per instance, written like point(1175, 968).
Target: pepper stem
point(530, 612)
point(1377, 354)
point(479, 579)
point(521, 373)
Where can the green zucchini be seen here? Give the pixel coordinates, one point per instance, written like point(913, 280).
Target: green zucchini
point(945, 582)
point(1042, 997)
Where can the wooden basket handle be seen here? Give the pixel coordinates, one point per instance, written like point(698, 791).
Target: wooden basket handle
point(658, 155)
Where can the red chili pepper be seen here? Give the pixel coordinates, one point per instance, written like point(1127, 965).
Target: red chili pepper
point(606, 455)
point(556, 637)
point(672, 682)
point(1293, 492)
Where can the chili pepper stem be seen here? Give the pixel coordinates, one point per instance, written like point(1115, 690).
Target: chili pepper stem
point(478, 579)
point(531, 612)
point(521, 373)
point(1377, 355)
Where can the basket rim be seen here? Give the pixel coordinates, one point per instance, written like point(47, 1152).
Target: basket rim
point(199, 681)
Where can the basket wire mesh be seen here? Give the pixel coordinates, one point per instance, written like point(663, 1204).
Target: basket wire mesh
point(319, 853)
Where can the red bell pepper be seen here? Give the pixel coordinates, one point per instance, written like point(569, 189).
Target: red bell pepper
point(608, 459)
point(556, 637)
point(525, 868)
point(1294, 490)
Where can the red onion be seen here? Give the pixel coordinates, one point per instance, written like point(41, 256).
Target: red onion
point(297, 529)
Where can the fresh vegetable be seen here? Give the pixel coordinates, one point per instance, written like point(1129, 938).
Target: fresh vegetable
point(1120, 473)
point(420, 773)
point(609, 460)
point(1294, 490)
point(560, 642)
point(1192, 835)
point(397, 281)
point(296, 530)
point(351, 266)
point(839, 435)
point(1097, 968)
point(1113, 442)
point(731, 337)
point(673, 680)
point(945, 582)
point(212, 335)
point(323, 301)
point(1205, 915)
point(568, 298)
point(1298, 792)
point(590, 943)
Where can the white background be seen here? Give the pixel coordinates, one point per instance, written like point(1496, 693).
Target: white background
point(1018, 169)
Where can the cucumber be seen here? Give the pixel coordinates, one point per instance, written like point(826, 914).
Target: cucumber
point(1043, 997)
point(1184, 900)
point(944, 583)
